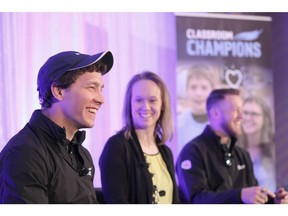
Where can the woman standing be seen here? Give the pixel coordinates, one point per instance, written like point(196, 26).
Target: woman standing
point(136, 166)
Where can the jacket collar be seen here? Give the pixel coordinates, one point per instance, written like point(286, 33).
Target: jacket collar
point(210, 133)
point(50, 128)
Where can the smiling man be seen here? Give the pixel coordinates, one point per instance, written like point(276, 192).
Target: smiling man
point(45, 162)
point(211, 169)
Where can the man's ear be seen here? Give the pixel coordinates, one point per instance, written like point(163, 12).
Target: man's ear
point(214, 112)
point(57, 92)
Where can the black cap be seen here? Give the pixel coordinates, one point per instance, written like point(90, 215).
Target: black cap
point(63, 62)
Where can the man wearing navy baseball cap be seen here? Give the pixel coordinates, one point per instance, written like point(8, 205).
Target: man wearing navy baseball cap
point(45, 162)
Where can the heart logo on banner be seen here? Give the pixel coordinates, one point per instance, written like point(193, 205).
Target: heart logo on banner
point(233, 78)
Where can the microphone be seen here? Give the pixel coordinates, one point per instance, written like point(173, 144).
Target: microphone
point(83, 172)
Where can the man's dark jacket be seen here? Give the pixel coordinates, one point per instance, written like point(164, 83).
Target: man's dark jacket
point(204, 177)
point(39, 165)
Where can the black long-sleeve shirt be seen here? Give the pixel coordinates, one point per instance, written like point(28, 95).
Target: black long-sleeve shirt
point(203, 176)
point(39, 165)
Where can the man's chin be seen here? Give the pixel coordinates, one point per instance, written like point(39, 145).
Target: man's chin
point(238, 133)
point(90, 125)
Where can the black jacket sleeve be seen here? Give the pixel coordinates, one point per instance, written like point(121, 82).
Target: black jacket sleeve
point(24, 176)
point(114, 171)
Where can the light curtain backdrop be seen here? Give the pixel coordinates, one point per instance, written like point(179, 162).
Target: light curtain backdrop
point(138, 41)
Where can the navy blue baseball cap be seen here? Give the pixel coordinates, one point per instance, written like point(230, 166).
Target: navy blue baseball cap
point(63, 62)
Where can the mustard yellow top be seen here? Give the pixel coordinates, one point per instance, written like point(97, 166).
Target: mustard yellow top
point(161, 179)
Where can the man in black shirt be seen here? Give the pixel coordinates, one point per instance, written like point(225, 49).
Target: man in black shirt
point(45, 162)
point(212, 169)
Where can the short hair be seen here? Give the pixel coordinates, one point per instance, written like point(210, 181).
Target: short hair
point(218, 95)
point(45, 95)
point(200, 71)
point(164, 127)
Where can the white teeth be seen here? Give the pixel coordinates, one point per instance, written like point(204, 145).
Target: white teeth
point(91, 110)
point(144, 115)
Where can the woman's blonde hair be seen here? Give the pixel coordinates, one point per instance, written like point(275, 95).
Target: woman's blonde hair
point(164, 127)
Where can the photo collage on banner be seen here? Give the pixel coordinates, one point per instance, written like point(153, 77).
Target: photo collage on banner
point(228, 51)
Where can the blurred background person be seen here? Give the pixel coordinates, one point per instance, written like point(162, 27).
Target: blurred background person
point(190, 123)
point(212, 169)
point(136, 166)
point(258, 139)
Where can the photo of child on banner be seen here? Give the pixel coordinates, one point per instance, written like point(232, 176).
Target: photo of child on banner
point(198, 82)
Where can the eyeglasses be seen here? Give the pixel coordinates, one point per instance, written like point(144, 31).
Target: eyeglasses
point(228, 159)
point(252, 114)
